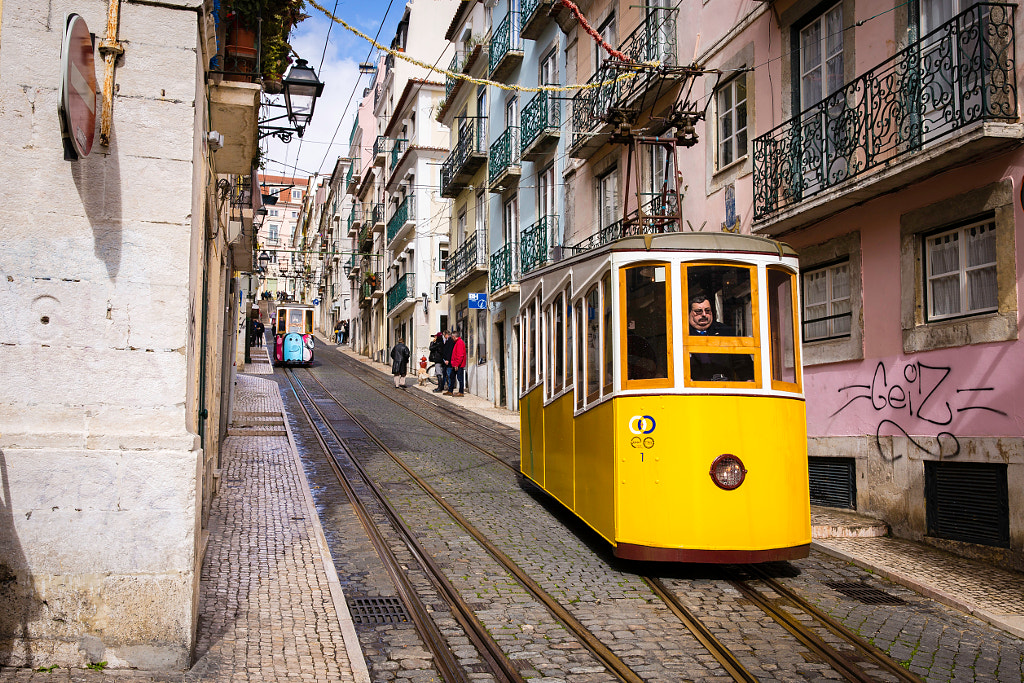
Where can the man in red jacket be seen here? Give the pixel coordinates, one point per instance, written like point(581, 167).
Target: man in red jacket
point(458, 365)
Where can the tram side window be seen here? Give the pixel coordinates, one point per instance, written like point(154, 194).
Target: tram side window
point(720, 304)
point(548, 342)
point(647, 322)
point(309, 323)
point(531, 344)
point(593, 332)
point(558, 330)
point(780, 320)
point(606, 293)
point(579, 354)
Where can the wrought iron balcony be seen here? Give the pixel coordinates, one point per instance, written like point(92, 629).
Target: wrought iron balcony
point(458, 62)
point(506, 49)
point(351, 178)
point(659, 214)
point(533, 247)
point(504, 167)
point(366, 235)
point(397, 150)
point(592, 109)
point(381, 147)
point(352, 227)
point(470, 257)
point(371, 286)
point(540, 120)
point(468, 156)
point(537, 14)
point(960, 74)
point(402, 291)
point(353, 265)
point(377, 221)
point(404, 216)
point(504, 269)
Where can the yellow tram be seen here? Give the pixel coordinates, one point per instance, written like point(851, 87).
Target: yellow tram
point(662, 396)
point(293, 335)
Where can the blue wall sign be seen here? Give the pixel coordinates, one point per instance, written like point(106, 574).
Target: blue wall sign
point(478, 300)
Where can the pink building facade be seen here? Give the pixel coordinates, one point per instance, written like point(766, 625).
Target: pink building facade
point(885, 146)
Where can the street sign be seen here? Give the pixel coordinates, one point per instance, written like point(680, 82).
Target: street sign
point(316, 302)
point(478, 300)
point(77, 89)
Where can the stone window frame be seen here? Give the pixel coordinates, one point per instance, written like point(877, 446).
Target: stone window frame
point(845, 247)
point(919, 334)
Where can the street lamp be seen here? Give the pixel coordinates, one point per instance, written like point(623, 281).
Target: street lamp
point(301, 88)
point(264, 260)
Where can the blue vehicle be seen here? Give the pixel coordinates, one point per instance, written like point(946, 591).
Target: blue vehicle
point(293, 336)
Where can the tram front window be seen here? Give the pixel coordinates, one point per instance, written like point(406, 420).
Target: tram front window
point(647, 320)
point(720, 305)
point(295, 320)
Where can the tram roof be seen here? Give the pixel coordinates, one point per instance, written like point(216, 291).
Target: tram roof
point(704, 242)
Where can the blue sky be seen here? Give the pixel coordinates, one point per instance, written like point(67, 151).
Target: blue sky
point(339, 70)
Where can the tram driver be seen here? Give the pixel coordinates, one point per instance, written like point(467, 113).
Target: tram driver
point(702, 318)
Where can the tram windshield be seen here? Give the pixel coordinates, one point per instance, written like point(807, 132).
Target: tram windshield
point(720, 304)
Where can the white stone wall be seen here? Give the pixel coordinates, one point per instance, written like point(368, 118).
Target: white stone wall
point(98, 470)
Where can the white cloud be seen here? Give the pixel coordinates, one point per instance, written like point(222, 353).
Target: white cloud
point(340, 74)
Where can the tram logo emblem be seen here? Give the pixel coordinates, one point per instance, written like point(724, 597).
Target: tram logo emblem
point(641, 424)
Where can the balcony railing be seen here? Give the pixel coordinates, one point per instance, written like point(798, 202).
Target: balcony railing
point(397, 150)
point(533, 247)
point(366, 234)
point(378, 213)
point(540, 119)
point(405, 212)
point(349, 175)
point(505, 43)
point(504, 155)
point(961, 73)
point(381, 147)
point(468, 155)
point(370, 286)
point(505, 266)
point(653, 40)
point(470, 256)
point(458, 61)
point(400, 291)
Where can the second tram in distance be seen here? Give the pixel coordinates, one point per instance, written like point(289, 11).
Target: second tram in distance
point(293, 335)
point(662, 396)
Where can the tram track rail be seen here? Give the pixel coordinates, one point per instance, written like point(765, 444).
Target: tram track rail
point(615, 666)
point(448, 666)
point(849, 667)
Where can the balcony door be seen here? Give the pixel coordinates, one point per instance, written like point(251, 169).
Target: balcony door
point(823, 127)
point(660, 29)
point(951, 91)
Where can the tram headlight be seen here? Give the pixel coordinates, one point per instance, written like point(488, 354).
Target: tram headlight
point(727, 471)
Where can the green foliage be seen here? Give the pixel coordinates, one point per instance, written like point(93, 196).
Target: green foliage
point(279, 17)
point(97, 666)
point(47, 669)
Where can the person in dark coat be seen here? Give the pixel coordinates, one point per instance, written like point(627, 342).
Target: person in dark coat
point(436, 356)
point(400, 363)
point(446, 358)
point(258, 330)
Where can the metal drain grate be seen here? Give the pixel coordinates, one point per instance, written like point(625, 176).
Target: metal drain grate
point(869, 595)
point(377, 611)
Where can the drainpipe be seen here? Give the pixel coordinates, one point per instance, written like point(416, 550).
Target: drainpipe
point(111, 49)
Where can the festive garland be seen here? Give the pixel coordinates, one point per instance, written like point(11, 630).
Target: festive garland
point(504, 86)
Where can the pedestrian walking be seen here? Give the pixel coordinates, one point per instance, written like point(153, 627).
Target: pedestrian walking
point(435, 355)
point(257, 332)
point(458, 365)
point(400, 363)
point(344, 331)
point(337, 332)
point(446, 358)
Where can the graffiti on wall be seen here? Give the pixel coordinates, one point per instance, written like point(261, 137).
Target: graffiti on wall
point(921, 398)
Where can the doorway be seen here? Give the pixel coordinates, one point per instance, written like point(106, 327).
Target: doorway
point(502, 385)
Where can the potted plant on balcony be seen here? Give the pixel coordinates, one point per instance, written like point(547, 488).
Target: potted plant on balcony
point(373, 280)
point(243, 20)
